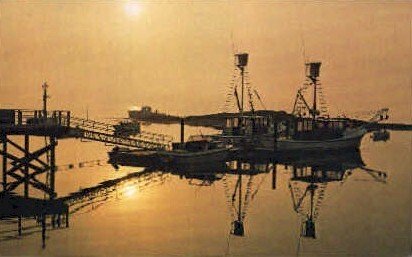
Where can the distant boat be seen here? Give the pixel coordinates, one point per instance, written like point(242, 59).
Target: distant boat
point(309, 129)
point(127, 128)
point(380, 135)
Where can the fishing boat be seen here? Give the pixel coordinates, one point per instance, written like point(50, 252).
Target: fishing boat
point(307, 129)
point(133, 157)
point(197, 150)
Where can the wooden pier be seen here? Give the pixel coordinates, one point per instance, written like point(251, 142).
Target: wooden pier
point(28, 168)
point(22, 166)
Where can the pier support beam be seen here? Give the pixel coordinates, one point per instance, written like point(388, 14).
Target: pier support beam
point(4, 143)
point(25, 166)
point(67, 218)
point(43, 231)
point(53, 143)
point(19, 229)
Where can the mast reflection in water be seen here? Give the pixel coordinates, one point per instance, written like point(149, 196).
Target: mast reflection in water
point(309, 176)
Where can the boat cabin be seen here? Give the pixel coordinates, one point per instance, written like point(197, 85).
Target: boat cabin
point(247, 125)
point(299, 128)
point(308, 128)
point(196, 144)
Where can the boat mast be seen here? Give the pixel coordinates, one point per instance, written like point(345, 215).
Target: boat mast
point(312, 72)
point(241, 63)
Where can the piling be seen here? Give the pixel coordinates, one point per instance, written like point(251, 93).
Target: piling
point(182, 130)
point(19, 226)
point(274, 176)
point(43, 231)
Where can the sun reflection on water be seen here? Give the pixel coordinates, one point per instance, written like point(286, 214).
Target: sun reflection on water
point(129, 190)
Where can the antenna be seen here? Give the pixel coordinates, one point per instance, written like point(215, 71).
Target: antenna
point(45, 97)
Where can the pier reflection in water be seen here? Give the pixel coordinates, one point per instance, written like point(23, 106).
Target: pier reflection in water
point(248, 188)
point(34, 215)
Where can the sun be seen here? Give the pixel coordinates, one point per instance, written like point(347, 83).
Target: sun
point(132, 8)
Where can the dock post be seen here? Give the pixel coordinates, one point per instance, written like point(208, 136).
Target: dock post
point(4, 140)
point(19, 225)
point(182, 130)
point(59, 220)
point(274, 175)
point(53, 220)
point(26, 165)
point(19, 117)
point(43, 230)
point(52, 166)
point(52, 175)
point(67, 218)
point(68, 119)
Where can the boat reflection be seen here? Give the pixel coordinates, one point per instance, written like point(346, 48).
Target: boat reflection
point(241, 195)
point(241, 178)
point(310, 177)
point(238, 178)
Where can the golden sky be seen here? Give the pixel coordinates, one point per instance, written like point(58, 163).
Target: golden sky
point(177, 56)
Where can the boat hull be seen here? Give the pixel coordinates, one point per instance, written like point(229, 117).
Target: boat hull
point(269, 143)
point(135, 158)
point(185, 158)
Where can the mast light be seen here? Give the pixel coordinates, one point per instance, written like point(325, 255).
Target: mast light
point(313, 69)
point(241, 60)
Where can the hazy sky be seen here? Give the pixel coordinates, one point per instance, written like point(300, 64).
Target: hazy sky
point(177, 56)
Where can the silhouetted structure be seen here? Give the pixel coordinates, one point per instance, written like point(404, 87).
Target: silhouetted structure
point(16, 207)
point(313, 173)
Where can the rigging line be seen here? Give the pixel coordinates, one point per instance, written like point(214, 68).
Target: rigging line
point(258, 186)
point(247, 196)
point(231, 25)
point(300, 228)
point(227, 194)
point(302, 38)
point(260, 99)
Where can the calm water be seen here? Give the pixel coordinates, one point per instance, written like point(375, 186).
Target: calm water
point(359, 212)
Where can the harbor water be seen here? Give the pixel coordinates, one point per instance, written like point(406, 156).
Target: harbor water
point(365, 212)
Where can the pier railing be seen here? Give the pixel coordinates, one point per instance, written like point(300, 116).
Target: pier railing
point(22, 117)
point(18, 121)
point(104, 132)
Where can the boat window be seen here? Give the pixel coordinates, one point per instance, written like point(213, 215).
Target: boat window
point(305, 125)
point(309, 125)
point(300, 126)
point(228, 123)
point(235, 122)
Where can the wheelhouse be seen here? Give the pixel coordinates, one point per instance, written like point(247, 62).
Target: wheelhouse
point(247, 125)
point(308, 128)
